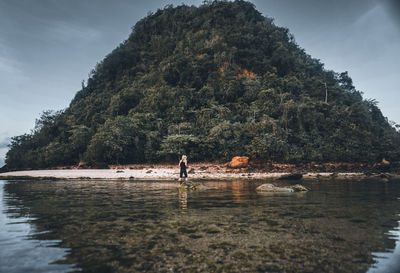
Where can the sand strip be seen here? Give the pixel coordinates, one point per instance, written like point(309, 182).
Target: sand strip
point(150, 174)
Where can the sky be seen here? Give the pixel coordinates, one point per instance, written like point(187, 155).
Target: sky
point(47, 47)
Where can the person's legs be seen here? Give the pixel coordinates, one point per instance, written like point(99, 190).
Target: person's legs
point(180, 175)
point(185, 172)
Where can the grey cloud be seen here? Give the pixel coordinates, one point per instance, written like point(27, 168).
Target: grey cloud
point(310, 12)
point(4, 143)
point(393, 7)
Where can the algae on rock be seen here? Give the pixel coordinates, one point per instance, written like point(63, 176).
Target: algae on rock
point(273, 188)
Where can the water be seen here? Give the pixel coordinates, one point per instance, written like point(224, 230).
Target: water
point(117, 226)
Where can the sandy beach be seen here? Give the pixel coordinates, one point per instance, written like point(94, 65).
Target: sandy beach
point(151, 172)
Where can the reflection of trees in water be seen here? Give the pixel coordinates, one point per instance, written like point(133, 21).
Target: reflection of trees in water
point(135, 227)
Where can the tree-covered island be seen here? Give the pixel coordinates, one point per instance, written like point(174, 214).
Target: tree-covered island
point(213, 82)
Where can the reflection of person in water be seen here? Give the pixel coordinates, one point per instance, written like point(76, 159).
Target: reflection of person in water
point(183, 166)
point(183, 199)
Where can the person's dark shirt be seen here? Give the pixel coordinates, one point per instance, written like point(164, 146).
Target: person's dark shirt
point(183, 165)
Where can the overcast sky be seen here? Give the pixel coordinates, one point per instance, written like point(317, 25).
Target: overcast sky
point(47, 47)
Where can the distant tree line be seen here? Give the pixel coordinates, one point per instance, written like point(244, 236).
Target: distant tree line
point(213, 82)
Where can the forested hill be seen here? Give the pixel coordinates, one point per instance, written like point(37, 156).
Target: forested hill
point(213, 82)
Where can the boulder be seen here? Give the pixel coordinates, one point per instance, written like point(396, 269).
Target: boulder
point(385, 162)
point(82, 165)
point(298, 188)
point(238, 162)
point(273, 188)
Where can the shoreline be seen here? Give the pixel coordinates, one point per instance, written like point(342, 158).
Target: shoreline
point(156, 175)
point(171, 172)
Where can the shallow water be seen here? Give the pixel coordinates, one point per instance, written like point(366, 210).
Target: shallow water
point(116, 226)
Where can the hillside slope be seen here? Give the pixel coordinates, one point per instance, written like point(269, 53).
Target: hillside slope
point(212, 81)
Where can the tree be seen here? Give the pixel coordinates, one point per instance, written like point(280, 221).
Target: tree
point(117, 141)
point(173, 146)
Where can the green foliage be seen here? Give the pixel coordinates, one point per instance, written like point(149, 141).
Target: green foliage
point(213, 82)
point(117, 141)
point(172, 146)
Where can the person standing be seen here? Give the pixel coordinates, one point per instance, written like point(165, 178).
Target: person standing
point(183, 166)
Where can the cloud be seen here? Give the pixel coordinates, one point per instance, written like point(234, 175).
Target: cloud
point(3, 151)
point(4, 144)
point(67, 32)
point(7, 64)
point(393, 8)
point(10, 68)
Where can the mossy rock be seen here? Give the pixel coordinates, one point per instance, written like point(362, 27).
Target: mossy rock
point(273, 188)
point(193, 186)
point(298, 188)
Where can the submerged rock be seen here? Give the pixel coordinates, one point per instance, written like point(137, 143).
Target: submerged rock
point(273, 188)
point(184, 186)
point(298, 188)
point(194, 186)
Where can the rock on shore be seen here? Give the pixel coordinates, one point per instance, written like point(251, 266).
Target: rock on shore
point(238, 162)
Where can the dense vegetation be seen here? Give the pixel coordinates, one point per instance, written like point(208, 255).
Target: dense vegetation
point(213, 82)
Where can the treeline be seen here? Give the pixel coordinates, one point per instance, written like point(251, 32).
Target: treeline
point(213, 82)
